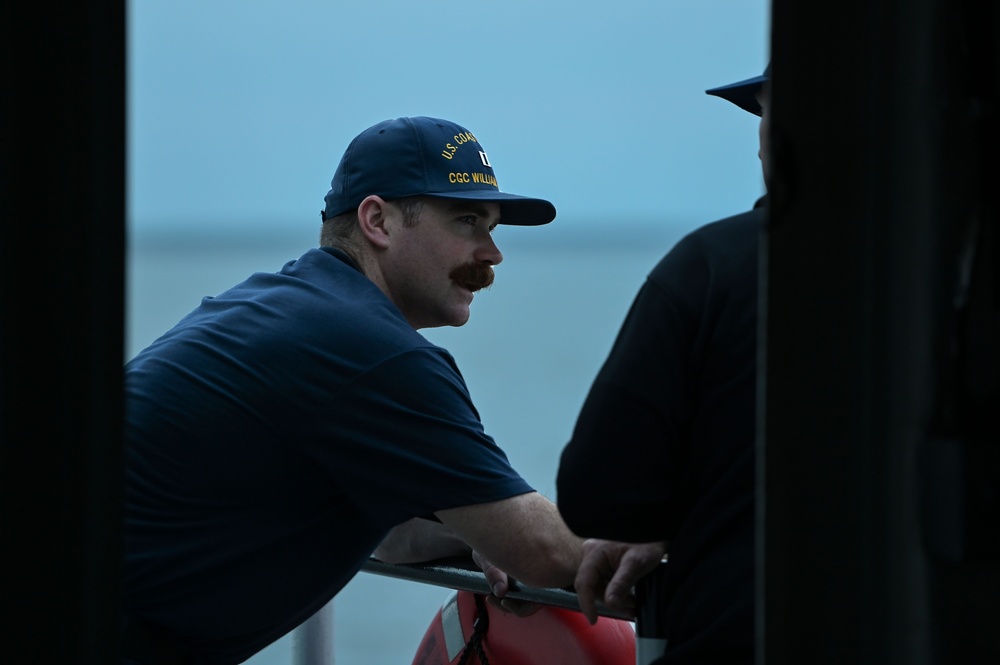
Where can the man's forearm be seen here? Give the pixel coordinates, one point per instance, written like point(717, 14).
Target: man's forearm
point(523, 535)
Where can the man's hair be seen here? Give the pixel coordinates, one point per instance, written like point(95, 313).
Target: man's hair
point(342, 231)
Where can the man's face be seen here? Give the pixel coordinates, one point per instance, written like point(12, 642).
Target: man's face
point(764, 99)
point(432, 269)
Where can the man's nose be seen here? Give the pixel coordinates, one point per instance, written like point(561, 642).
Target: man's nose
point(488, 251)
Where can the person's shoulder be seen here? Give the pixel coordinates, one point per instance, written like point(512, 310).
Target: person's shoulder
point(341, 304)
point(747, 223)
point(720, 246)
point(734, 234)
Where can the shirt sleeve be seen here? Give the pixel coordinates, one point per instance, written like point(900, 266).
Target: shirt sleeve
point(408, 441)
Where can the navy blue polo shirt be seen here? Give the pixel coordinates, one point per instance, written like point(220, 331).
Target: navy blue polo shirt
point(274, 436)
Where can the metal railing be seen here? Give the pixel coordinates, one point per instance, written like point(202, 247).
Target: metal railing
point(312, 642)
point(464, 575)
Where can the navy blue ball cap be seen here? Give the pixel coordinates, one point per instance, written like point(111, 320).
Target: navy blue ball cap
point(744, 93)
point(424, 157)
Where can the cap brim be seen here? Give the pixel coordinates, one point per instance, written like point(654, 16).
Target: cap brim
point(515, 210)
point(742, 93)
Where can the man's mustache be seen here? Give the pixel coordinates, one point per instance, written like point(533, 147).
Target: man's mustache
point(473, 276)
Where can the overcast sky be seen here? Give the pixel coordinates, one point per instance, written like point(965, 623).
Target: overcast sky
point(239, 110)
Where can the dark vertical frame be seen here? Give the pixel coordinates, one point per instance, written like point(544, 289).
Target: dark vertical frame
point(62, 204)
point(879, 129)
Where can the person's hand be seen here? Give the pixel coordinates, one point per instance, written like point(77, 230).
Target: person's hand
point(500, 584)
point(609, 571)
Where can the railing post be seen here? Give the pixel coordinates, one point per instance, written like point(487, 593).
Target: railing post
point(312, 642)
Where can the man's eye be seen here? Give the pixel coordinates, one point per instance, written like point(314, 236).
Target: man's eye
point(469, 219)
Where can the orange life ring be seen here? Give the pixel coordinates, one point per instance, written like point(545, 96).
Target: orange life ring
point(551, 636)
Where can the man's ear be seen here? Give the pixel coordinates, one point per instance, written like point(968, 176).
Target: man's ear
point(372, 215)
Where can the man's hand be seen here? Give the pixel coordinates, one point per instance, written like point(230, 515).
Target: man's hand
point(609, 571)
point(500, 584)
